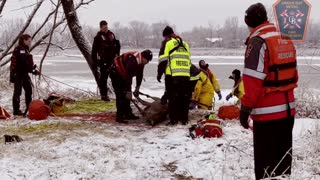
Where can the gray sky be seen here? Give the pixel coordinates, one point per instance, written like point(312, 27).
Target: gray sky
point(185, 14)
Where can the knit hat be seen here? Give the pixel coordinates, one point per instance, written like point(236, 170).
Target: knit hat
point(147, 54)
point(167, 31)
point(203, 64)
point(236, 74)
point(256, 14)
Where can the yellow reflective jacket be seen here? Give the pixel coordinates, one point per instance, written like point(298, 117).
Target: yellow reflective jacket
point(203, 92)
point(178, 59)
point(238, 91)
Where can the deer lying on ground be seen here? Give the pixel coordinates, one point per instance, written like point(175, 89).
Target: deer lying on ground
point(154, 112)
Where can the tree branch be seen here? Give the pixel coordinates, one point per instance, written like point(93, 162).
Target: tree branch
point(3, 2)
point(26, 25)
point(50, 37)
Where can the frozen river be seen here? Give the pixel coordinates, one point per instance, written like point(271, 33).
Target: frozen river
point(74, 70)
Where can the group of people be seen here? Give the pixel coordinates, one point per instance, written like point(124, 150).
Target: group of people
point(265, 90)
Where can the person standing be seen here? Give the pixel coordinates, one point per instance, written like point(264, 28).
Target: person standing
point(270, 76)
point(21, 65)
point(105, 48)
point(124, 68)
point(238, 88)
point(175, 63)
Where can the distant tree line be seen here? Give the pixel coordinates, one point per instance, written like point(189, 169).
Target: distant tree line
point(138, 34)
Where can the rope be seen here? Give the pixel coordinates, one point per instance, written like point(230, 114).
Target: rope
point(76, 88)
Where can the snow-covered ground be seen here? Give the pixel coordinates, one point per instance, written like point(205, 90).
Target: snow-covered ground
point(72, 150)
point(82, 150)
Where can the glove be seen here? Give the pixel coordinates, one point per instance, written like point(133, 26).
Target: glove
point(220, 96)
point(228, 97)
point(159, 78)
point(136, 91)
point(129, 95)
point(164, 99)
point(193, 105)
point(244, 116)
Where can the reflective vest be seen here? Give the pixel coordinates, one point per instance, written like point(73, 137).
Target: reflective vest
point(177, 53)
point(282, 68)
point(276, 72)
point(119, 61)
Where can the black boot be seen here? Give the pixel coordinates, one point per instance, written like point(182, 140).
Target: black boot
point(131, 116)
point(18, 113)
point(120, 119)
point(105, 98)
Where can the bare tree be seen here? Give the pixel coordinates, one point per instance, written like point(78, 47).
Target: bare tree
point(50, 36)
point(10, 46)
point(3, 3)
point(77, 34)
point(156, 31)
point(140, 32)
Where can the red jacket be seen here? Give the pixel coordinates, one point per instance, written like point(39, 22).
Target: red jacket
point(263, 104)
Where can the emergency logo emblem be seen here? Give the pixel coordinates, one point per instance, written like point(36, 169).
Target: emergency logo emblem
point(292, 18)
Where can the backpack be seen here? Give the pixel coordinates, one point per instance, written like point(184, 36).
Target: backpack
point(38, 110)
point(4, 114)
point(229, 112)
point(210, 127)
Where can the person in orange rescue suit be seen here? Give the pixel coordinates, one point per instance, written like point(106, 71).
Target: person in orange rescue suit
point(124, 68)
point(21, 65)
point(270, 76)
point(206, 85)
point(238, 88)
point(104, 49)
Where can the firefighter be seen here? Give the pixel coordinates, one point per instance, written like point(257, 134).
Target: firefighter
point(238, 89)
point(270, 76)
point(21, 65)
point(105, 48)
point(203, 94)
point(212, 77)
point(124, 68)
point(175, 63)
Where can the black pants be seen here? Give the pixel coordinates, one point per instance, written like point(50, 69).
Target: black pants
point(25, 83)
point(273, 147)
point(179, 99)
point(103, 80)
point(119, 86)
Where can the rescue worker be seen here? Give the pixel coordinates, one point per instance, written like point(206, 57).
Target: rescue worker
point(104, 49)
point(212, 77)
point(238, 88)
point(203, 94)
point(124, 68)
point(194, 77)
point(21, 65)
point(270, 76)
point(175, 63)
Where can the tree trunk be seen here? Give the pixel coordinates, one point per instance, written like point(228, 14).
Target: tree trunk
point(77, 34)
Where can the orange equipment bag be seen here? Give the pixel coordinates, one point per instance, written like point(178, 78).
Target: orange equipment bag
point(4, 114)
point(207, 128)
point(38, 110)
point(229, 112)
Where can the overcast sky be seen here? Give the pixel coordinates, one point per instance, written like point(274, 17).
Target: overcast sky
point(185, 14)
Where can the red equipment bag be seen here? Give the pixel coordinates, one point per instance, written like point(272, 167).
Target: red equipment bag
point(38, 110)
point(207, 128)
point(4, 114)
point(229, 112)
